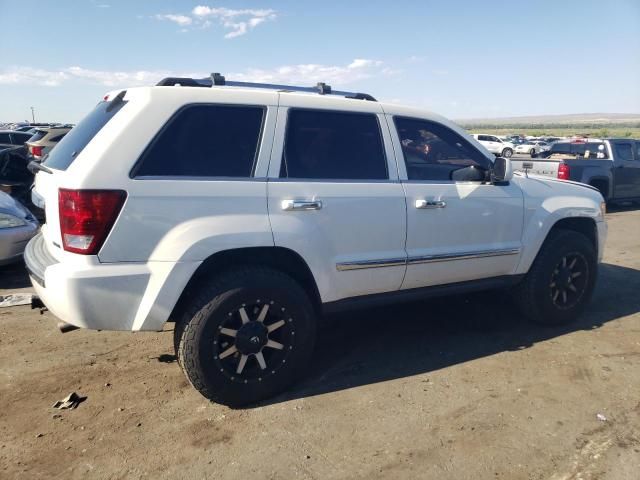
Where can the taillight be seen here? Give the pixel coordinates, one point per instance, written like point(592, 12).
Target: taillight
point(86, 218)
point(36, 151)
point(563, 171)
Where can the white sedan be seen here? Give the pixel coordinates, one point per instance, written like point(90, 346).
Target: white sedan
point(532, 148)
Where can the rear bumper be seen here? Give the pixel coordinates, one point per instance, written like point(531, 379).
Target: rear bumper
point(13, 242)
point(119, 296)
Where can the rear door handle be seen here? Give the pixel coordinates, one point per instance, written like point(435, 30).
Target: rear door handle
point(428, 204)
point(291, 205)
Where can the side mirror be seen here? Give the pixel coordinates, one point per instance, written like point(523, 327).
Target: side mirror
point(502, 170)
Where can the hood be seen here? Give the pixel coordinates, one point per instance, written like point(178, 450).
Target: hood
point(561, 186)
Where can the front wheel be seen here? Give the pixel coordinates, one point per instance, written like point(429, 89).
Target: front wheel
point(247, 336)
point(507, 152)
point(561, 280)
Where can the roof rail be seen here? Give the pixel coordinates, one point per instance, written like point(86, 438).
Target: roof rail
point(219, 80)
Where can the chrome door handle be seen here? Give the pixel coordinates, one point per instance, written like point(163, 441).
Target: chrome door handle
point(291, 205)
point(427, 204)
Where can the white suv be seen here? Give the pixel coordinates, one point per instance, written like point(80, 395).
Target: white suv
point(498, 147)
point(244, 213)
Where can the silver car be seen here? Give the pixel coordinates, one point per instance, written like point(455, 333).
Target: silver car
point(17, 226)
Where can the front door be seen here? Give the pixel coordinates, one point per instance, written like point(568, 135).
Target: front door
point(459, 227)
point(335, 198)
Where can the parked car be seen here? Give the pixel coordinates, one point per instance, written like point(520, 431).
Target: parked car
point(495, 145)
point(612, 166)
point(24, 128)
point(15, 178)
point(17, 227)
point(41, 143)
point(11, 138)
point(247, 239)
point(532, 148)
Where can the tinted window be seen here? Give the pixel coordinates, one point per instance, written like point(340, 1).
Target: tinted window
point(205, 141)
point(4, 138)
point(638, 151)
point(333, 145)
point(624, 152)
point(20, 138)
point(484, 138)
point(433, 151)
point(39, 135)
point(79, 137)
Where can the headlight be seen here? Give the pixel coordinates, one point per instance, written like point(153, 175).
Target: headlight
point(8, 221)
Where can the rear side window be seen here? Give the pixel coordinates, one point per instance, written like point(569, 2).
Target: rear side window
point(4, 138)
point(624, 152)
point(20, 138)
point(205, 141)
point(322, 144)
point(79, 137)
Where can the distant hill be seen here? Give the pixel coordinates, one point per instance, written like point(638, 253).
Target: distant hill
point(570, 119)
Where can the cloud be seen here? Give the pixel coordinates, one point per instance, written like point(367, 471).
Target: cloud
point(181, 20)
point(237, 22)
point(299, 74)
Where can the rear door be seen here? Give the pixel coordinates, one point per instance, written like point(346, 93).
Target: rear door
point(334, 195)
point(626, 172)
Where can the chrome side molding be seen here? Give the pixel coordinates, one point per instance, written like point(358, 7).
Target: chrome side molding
point(445, 257)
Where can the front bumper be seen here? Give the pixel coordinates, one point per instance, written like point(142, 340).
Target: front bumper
point(117, 296)
point(14, 240)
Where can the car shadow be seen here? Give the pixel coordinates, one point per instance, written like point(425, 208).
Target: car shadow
point(382, 344)
point(14, 276)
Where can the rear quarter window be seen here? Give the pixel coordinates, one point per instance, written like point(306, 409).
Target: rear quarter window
point(204, 140)
point(39, 135)
point(77, 138)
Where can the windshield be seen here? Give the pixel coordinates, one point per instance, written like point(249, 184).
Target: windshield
point(79, 137)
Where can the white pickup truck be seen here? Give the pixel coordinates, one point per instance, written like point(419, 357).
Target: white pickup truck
point(245, 212)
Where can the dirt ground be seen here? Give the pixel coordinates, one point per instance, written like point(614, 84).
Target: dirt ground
point(458, 388)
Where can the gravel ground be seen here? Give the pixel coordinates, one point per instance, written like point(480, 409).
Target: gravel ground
point(458, 388)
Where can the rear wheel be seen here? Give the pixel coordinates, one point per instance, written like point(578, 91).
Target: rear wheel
point(532, 152)
point(507, 152)
point(561, 280)
point(246, 336)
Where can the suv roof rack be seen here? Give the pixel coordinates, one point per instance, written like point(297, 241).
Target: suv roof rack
point(217, 79)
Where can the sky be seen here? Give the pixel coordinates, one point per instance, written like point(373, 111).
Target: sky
point(462, 59)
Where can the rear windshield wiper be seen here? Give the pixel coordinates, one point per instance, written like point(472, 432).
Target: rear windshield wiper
point(35, 167)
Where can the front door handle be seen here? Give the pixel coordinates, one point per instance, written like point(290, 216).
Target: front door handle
point(427, 204)
point(291, 205)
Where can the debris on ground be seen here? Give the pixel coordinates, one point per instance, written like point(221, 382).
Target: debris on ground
point(71, 401)
point(15, 299)
point(601, 417)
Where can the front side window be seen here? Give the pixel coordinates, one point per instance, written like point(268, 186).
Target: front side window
point(435, 152)
point(205, 141)
point(624, 152)
point(322, 144)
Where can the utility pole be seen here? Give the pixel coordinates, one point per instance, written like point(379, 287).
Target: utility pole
point(33, 115)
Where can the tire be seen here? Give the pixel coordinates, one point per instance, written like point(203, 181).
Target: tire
point(540, 295)
point(507, 153)
point(532, 152)
point(233, 356)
